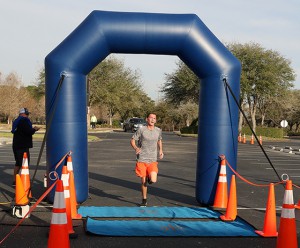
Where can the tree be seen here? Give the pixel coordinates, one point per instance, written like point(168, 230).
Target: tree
point(12, 96)
point(118, 88)
point(181, 86)
point(36, 101)
point(167, 116)
point(265, 75)
point(288, 108)
point(189, 112)
point(38, 89)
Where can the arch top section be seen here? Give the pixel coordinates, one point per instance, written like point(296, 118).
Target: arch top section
point(184, 35)
point(105, 32)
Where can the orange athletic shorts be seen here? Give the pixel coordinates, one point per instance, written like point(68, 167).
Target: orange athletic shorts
point(144, 169)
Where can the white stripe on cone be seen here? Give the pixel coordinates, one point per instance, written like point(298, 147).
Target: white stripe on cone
point(222, 179)
point(70, 165)
point(24, 172)
point(223, 169)
point(65, 179)
point(288, 197)
point(67, 193)
point(59, 218)
point(288, 213)
point(59, 200)
point(24, 169)
point(59, 203)
point(25, 162)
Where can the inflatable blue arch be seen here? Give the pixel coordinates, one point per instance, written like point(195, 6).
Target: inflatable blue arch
point(184, 35)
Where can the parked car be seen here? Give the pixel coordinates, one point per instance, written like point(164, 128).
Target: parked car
point(133, 124)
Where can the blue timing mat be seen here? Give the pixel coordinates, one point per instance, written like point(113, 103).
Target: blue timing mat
point(169, 228)
point(148, 212)
point(211, 226)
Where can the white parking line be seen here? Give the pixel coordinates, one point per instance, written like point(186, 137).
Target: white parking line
point(274, 164)
point(276, 160)
point(278, 208)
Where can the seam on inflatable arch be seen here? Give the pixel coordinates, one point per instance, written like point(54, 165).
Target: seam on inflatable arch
point(97, 20)
point(195, 19)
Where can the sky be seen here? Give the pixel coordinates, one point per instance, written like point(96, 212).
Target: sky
point(31, 29)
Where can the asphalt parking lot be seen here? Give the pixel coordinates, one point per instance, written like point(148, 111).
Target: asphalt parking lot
point(112, 183)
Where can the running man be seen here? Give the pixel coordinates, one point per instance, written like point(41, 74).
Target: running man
point(148, 139)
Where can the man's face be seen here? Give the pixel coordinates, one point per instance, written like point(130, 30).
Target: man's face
point(151, 120)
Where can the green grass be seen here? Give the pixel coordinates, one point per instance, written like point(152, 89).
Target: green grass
point(40, 136)
point(6, 135)
point(189, 135)
point(248, 137)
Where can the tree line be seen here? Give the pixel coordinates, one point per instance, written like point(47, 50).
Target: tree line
point(14, 95)
point(116, 93)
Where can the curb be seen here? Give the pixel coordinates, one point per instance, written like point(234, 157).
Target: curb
point(286, 149)
point(5, 141)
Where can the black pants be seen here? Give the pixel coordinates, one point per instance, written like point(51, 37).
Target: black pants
point(18, 153)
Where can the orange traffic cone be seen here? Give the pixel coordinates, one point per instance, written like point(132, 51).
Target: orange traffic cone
point(240, 138)
point(73, 200)
point(287, 234)
point(252, 140)
point(270, 228)
point(21, 196)
point(260, 140)
point(231, 211)
point(221, 197)
point(59, 236)
point(24, 172)
point(65, 178)
point(244, 139)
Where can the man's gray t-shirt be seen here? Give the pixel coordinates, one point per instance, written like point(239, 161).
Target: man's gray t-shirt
point(147, 141)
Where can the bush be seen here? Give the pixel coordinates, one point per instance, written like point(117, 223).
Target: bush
point(293, 133)
point(263, 131)
point(189, 130)
point(192, 129)
point(116, 123)
point(266, 131)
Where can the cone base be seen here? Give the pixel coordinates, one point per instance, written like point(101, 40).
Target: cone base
point(77, 217)
point(266, 235)
point(21, 211)
point(218, 208)
point(228, 219)
point(73, 235)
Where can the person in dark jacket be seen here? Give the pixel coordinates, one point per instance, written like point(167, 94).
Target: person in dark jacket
point(22, 139)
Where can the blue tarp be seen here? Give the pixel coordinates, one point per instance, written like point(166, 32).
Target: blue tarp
point(169, 228)
point(197, 222)
point(147, 212)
